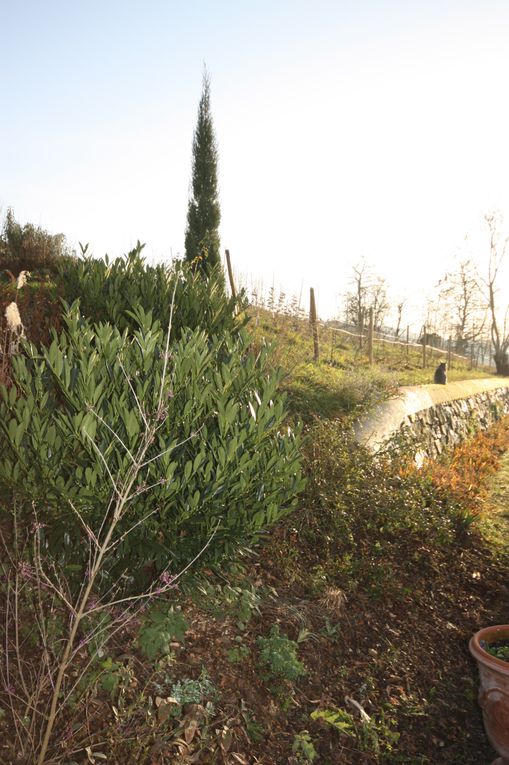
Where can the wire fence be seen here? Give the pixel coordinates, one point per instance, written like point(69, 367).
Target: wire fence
point(372, 342)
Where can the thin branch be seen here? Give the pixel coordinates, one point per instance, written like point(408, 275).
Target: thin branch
point(174, 446)
point(160, 590)
point(140, 408)
point(90, 534)
point(125, 534)
point(114, 434)
point(99, 452)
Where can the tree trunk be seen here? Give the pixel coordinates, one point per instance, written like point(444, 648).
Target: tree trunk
point(501, 363)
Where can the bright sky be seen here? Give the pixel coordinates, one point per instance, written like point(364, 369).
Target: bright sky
point(368, 128)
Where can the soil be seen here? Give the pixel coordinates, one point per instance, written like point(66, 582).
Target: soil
point(405, 661)
point(401, 659)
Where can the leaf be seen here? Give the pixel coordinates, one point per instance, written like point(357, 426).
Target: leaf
point(94, 756)
point(190, 730)
point(165, 708)
point(226, 739)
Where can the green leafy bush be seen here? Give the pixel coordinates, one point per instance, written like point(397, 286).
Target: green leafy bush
point(279, 655)
point(367, 512)
point(162, 626)
point(107, 292)
point(220, 467)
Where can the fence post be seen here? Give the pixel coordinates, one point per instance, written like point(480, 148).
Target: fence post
point(449, 352)
point(424, 338)
point(407, 341)
point(230, 274)
point(314, 324)
point(370, 337)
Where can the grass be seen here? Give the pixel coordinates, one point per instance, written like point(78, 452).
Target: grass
point(343, 382)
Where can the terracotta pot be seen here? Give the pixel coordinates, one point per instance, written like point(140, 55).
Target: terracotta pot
point(494, 690)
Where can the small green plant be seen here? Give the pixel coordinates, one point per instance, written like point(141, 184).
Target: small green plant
point(499, 650)
point(111, 675)
point(303, 748)
point(341, 720)
point(108, 674)
point(162, 626)
point(240, 601)
point(279, 655)
point(330, 631)
point(187, 691)
point(373, 735)
point(238, 654)
point(254, 729)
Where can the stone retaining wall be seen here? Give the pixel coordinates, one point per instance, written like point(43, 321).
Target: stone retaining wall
point(438, 416)
point(445, 425)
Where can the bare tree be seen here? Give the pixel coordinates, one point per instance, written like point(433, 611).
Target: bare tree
point(369, 291)
point(499, 328)
point(461, 305)
point(399, 309)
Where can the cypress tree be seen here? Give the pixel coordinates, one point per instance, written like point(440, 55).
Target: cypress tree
point(203, 214)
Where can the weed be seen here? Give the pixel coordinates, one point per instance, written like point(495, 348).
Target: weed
point(279, 655)
point(162, 626)
point(342, 721)
point(254, 729)
point(238, 654)
point(303, 748)
point(189, 691)
point(330, 631)
point(240, 602)
point(375, 736)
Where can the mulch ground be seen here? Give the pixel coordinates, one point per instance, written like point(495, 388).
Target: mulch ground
point(401, 659)
point(405, 662)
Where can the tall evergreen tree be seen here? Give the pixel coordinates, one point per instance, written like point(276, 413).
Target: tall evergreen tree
point(203, 215)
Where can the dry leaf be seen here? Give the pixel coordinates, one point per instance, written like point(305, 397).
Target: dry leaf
point(190, 730)
point(164, 707)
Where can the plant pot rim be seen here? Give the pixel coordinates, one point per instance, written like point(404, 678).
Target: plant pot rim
point(490, 634)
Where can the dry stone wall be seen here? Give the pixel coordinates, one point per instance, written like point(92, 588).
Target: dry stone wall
point(447, 424)
point(436, 416)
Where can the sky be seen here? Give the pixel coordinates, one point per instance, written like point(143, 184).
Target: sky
point(369, 129)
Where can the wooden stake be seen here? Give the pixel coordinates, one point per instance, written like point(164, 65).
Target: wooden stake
point(424, 338)
point(314, 324)
point(370, 337)
point(230, 274)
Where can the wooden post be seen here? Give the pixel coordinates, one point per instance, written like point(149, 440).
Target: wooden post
point(230, 274)
point(314, 324)
point(407, 341)
point(477, 354)
point(370, 337)
point(424, 339)
point(449, 352)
